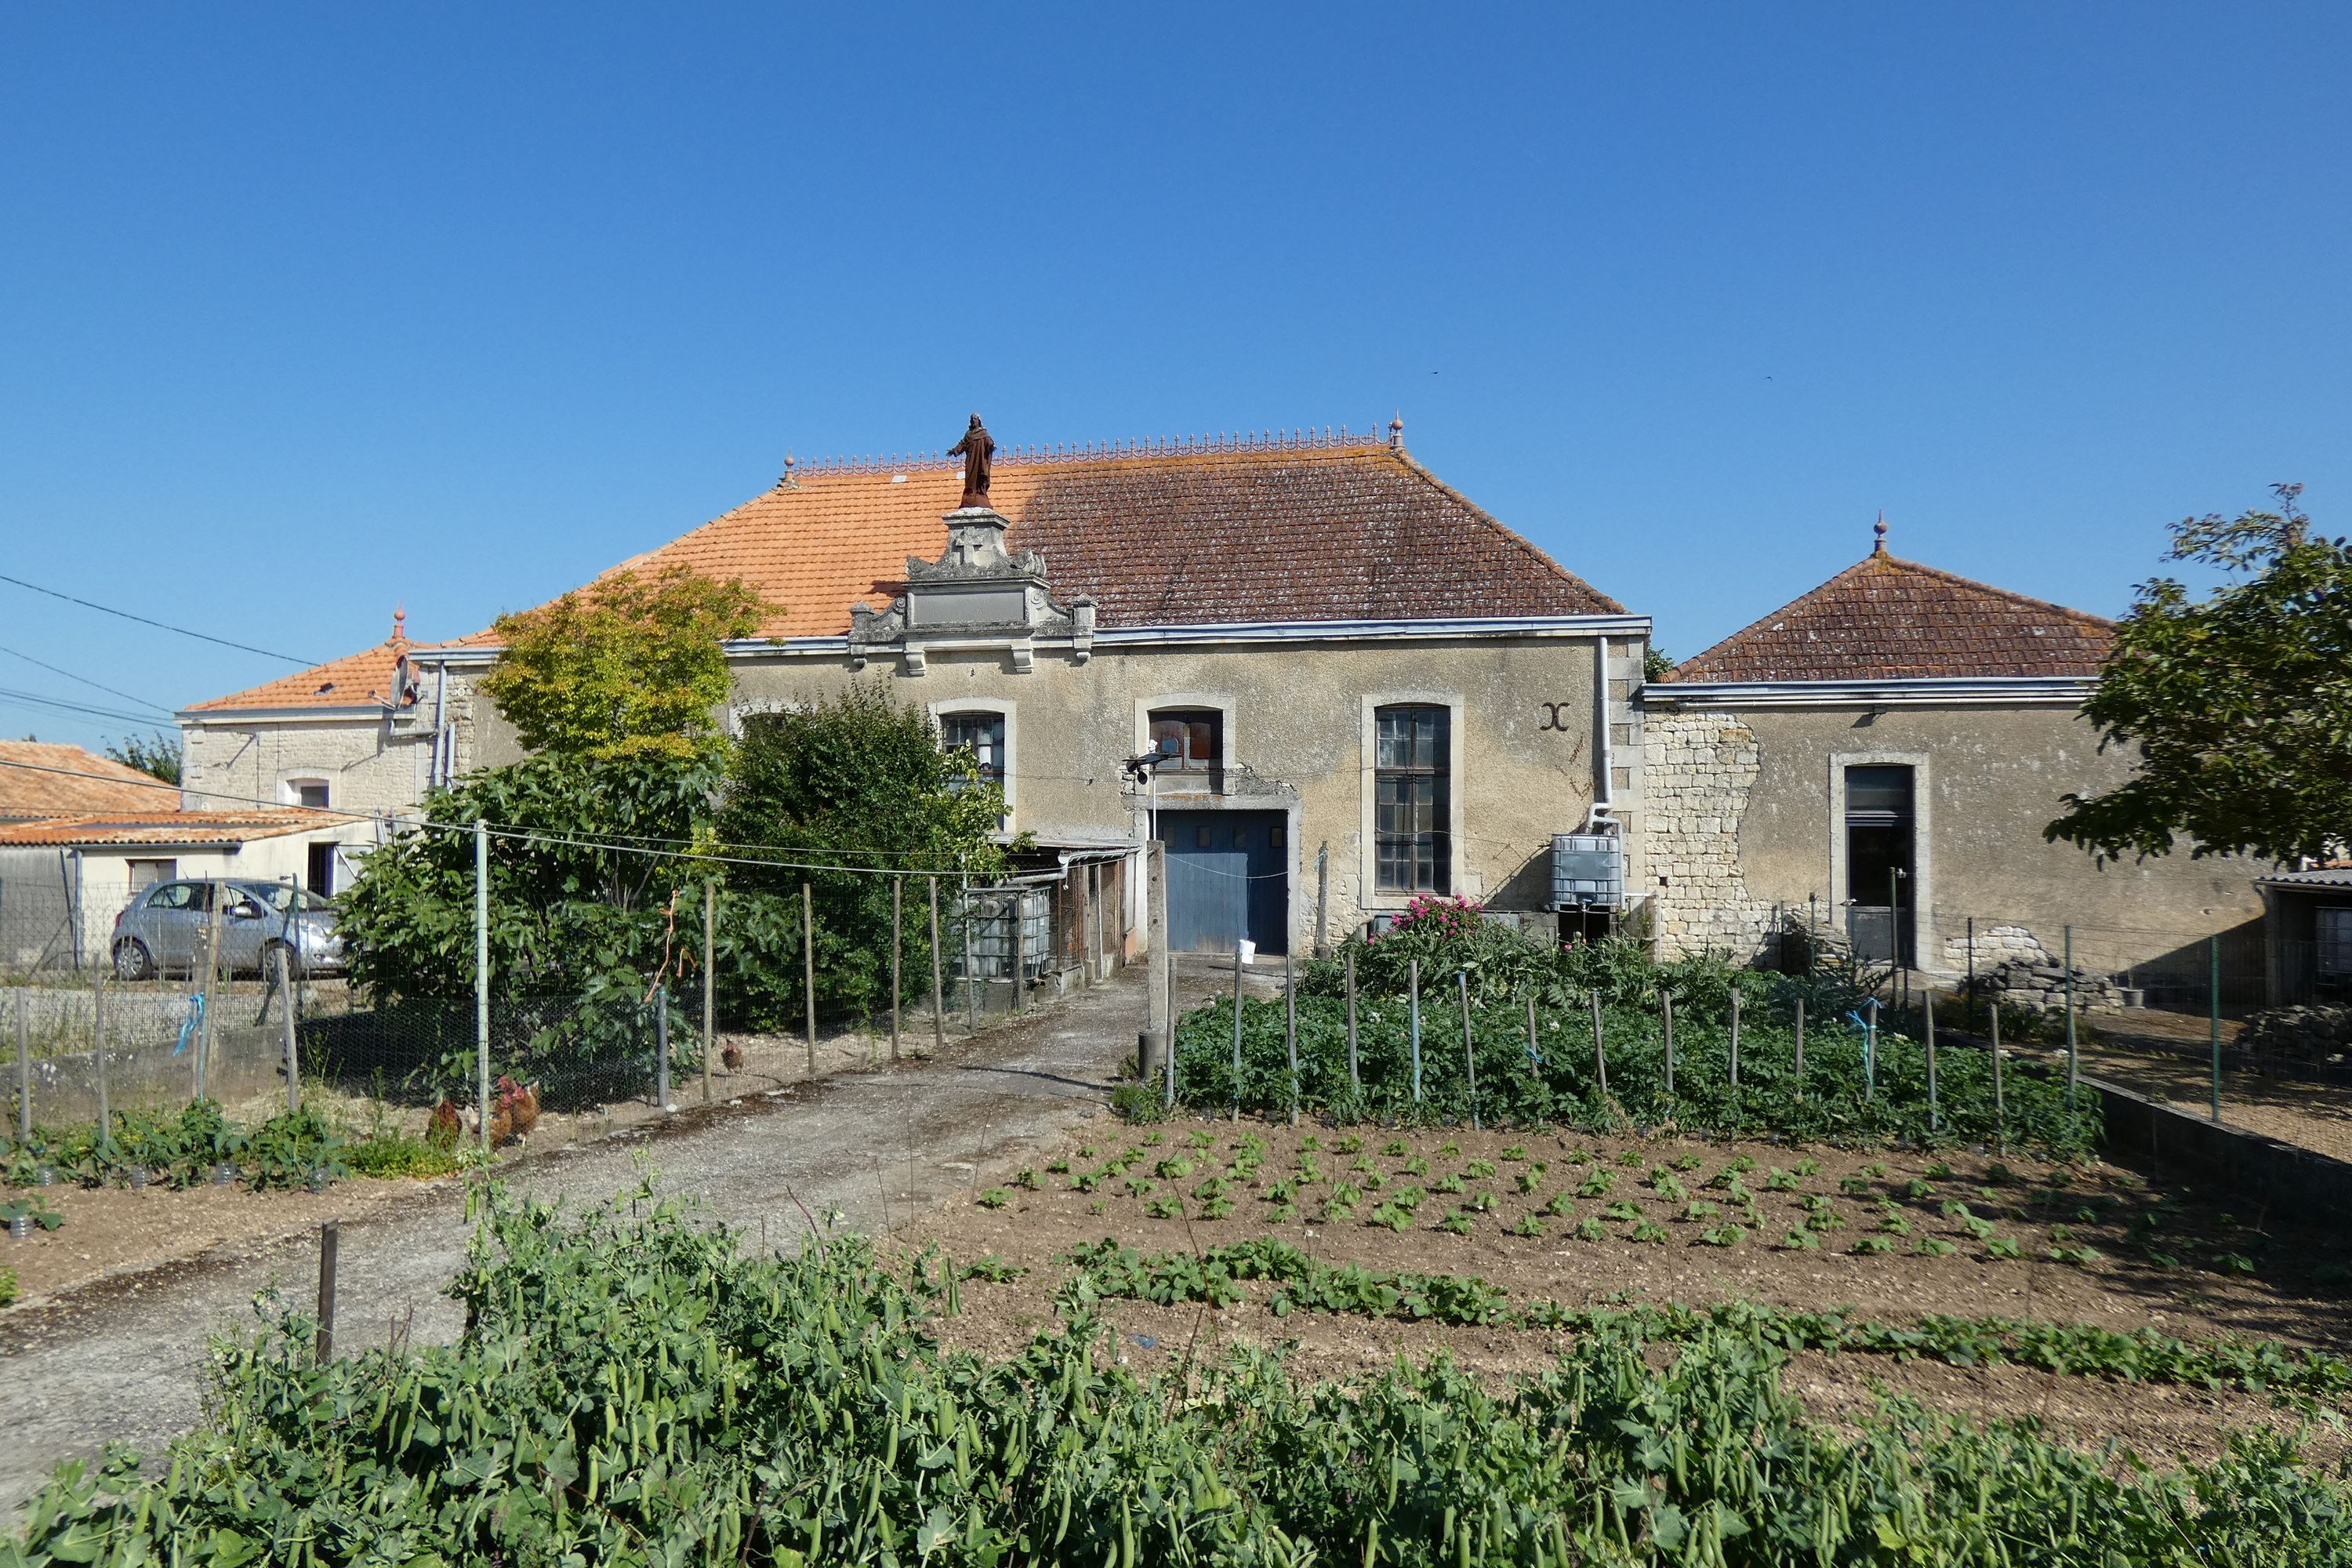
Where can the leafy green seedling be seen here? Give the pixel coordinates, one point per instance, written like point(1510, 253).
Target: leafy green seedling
point(1917, 1191)
point(1216, 1207)
point(1854, 1186)
point(1558, 1206)
point(1515, 1152)
point(1699, 1209)
point(1351, 1144)
point(2002, 1247)
point(1629, 1157)
point(1415, 1166)
point(1648, 1232)
point(1397, 1149)
point(1872, 1246)
point(1027, 1180)
point(1801, 1241)
point(1479, 1170)
point(1933, 1246)
point(1779, 1181)
point(1449, 1150)
point(1456, 1222)
point(1590, 1228)
point(1528, 1224)
point(1166, 1206)
point(1059, 1168)
point(1623, 1210)
point(994, 1198)
point(1448, 1182)
point(1310, 1143)
point(1597, 1183)
point(1720, 1235)
point(1667, 1185)
point(1530, 1179)
point(1283, 1213)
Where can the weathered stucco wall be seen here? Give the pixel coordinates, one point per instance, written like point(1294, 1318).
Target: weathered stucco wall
point(1988, 779)
point(365, 764)
point(1297, 736)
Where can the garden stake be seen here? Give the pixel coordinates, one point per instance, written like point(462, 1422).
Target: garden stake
point(2000, 1112)
point(2070, 1020)
point(293, 1057)
point(1666, 1007)
point(24, 1074)
point(1801, 1047)
point(98, 1052)
point(1237, 1032)
point(327, 1235)
point(1972, 972)
point(1469, 1054)
point(661, 1047)
point(710, 940)
point(2213, 1021)
point(1534, 1060)
point(1735, 1040)
point(1290, 1033)
point(808, 967)
point(971, 984)
point(1020, 949)
point(1934, 1125)
point(1599, 1056)
point(898, 952)
point(938, 983)
point(1870, 1053)
point(482, 977)
point(1412, 998)
point(1355, 1079)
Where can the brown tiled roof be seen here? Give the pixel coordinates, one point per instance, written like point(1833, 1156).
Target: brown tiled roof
point(40, 778)
point(360, 680)
point(1303, 529)
point(1888, 619)
point(159, 828)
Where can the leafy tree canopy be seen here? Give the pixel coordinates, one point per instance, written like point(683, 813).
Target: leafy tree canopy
point(155, 754)
point(2241, 702)
point(631, 666)
point(857, 780)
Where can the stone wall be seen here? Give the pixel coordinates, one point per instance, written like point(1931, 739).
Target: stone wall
point(1699, 770)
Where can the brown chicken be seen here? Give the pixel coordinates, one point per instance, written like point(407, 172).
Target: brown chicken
point(731, 1057)
point(518, 1106)
point(445, 1127)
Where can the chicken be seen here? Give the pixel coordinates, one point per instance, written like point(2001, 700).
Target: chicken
point(518, 1108)
point(445, 1127)
point(501, 1127)
point(730, 1056)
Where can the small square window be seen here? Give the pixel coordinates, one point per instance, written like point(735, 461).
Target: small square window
point(1275, 835)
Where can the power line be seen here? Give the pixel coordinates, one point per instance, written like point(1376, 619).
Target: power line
point(60, 705)
point(161, 626)
point(85, 680)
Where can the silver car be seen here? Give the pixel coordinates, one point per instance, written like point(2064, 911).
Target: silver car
point(166, 929)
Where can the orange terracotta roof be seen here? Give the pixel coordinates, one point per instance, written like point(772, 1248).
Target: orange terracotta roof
point(1302, 528)
point(40, 778)
point(159, 828)
point(1889, 619)
point(361, 681)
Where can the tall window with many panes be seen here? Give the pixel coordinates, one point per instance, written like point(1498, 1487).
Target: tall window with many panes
point(1413, 799)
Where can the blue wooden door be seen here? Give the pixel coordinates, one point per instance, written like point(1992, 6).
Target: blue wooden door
point(1226, 879)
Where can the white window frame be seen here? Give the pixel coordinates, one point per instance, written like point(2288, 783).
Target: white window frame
point(1367, 872)
point(289, 788)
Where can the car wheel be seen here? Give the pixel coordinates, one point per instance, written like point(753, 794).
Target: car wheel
point(270, 961)
point(133, 961)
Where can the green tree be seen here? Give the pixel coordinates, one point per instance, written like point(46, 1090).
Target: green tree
point(155, 754)
point(857, 780)
point(2240, 703)
point(630, 667)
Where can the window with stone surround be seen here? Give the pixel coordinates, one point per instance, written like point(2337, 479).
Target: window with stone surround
point(1413, 799)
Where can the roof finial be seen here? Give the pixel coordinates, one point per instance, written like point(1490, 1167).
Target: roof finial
point(1396, 431)
point(787, 481)
point(400, 623)
point(1880, 547)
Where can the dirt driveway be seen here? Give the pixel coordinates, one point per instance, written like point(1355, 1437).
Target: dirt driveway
point(122, 1359)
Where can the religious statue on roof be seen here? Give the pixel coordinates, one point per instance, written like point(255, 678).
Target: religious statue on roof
point(976, 448)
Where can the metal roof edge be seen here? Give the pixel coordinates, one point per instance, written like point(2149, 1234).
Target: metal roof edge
point(1921, 691)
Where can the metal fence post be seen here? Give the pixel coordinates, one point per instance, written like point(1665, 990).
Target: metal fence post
point(98, 1053)
point(2000, 1110)
point(218, 898)
point(1354, 1078)
point(329, 1233)
point(971, 976)
point(898, 955)
point(1237, 1032)
point(2213, 1017)
point(1972, 972)
point(2070, 1021)
point(710, 981)
point(1413, 999)
point(1600, 1052)
point(1155, 1050)
point(23, 1069)
point(1799, 1072)
point(1735, 1040)
point(808, 967)
point(1870, 1052)
point(285, 1014)
point(1322, 900)
point(1933, 1118)
point(1666, 1011)
point(481, 977)
point(661, 1047)
point(1469, 1045)
point(1021, 945)
point(1290, 1031)
point(938, 983)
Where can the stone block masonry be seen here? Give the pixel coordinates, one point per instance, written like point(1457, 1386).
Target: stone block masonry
point(1700, 768)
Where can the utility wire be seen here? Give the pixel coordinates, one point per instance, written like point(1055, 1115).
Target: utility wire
point(160, 626)
point(85, 680)
point(60, 705)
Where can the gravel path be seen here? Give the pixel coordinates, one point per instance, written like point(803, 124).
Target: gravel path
point(123, 1360)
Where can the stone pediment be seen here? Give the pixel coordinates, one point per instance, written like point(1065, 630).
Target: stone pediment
point(976, 594)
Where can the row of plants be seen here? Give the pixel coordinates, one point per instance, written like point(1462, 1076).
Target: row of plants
point(200, 1143)
point(1853, 1088)
point(1305, 1282)
point(633, 1387)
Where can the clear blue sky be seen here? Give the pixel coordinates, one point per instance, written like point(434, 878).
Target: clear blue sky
point(307, 309)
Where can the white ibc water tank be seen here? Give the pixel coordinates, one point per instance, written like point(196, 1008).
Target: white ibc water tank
point(1588, 871)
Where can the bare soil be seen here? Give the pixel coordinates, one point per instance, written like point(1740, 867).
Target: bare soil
point(2178, 1270)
